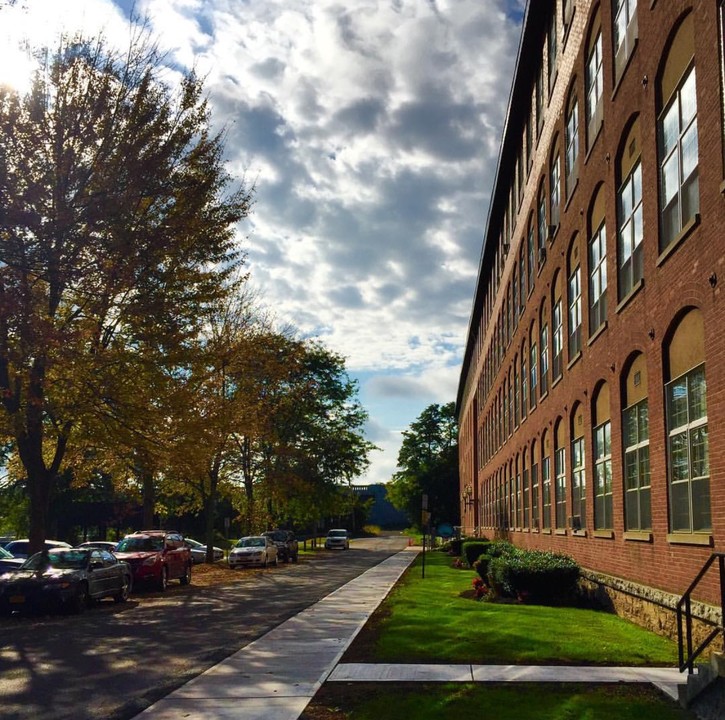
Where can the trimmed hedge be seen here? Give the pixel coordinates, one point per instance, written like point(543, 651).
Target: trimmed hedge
point(473, 549)
point(534, 576)
point(495, 549)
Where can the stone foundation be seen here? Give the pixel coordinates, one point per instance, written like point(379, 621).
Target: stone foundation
point(651, 608)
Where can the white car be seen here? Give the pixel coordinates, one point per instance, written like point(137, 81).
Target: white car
point(337, 539)
point(198, 551)
point(253, 550)
point(21, 548)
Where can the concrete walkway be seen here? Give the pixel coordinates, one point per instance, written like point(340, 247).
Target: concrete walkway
point(276, 676)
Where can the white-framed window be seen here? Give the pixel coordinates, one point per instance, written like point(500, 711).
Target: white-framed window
point(544, 360)
point(688, 452)
point(603, 512)
point(557, 332)
point(678, 152)
point(555, 189)
point(594, 89)
point(546, 492)
point(578, 483)
point(625, 33)
point(575, 312)
point(560, 486)
point(630, 231)
point(637, 498)
point(572, 146)
point(598, 279)
point(534, 376)
point(535, 493)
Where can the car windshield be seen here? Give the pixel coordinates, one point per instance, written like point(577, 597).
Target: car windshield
point(194, 543)
point(277, 536)
point(59, 559)
point(337, 533)
point(141, 543)
point(251, 542)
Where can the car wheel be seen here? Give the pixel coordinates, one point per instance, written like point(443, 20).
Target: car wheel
point(163, 578)
point(185, 579)
point(122, 595)
point(80, 600)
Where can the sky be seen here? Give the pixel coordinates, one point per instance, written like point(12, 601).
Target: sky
point(370, 130)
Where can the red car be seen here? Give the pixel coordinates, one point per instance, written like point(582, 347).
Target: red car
point(156, 556)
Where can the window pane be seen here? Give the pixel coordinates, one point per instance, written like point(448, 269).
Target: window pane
point(701, 505)
point(677, 393)
point(670, 178)
point(631, 469)
point(670, 129)
point(688, 99)
point(689, 151)
point(680, 507)
point(679, 458)
point(699, 452)
point(697, 394)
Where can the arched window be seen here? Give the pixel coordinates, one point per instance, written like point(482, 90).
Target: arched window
point(571, 153)
point(546, 481)
point(677, 133)
point(519, 494)
point(517, 392)
point(534, 485)
point(629, 213)
point(560, 472)
point(625, 34)
point(552, 50)
point(687, 430)
point(594, 81)
point(635, 441)
point(526, 481)
point(533, 365)
point(578, 470)
point(542, 227)
point(597, 264)
point(557, 330)
point(555, 187)
point(511, 495)
point(603, 513)
point(574, 298)
point(530, 256)
point(544, 352)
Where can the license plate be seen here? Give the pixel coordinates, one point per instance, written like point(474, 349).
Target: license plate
point(17, 599)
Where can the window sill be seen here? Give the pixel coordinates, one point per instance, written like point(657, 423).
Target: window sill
point(543, 397)
point(571, 192)
point(553, 232)
point(676, 242)
point(546, 531)
point(556, 381)
point(603, 534)
point(574, 360)
point(638, 536)
point(690, 539)
point(579, 533)
point(628, 297)
point(590, 146)
point(560, 531)
point(597, 333)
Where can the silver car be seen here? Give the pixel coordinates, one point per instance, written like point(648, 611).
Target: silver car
point(253, 550)
point(337, 540)
point(198, 551)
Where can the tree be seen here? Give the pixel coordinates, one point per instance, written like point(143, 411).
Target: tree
point(116, 226)
point(428, 464)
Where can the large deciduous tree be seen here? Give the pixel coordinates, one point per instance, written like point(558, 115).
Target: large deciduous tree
point(428, 464)
point(116, 226)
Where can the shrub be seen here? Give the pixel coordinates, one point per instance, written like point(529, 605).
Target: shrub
point(534, 576)
point(496, 548)
point(472, 549)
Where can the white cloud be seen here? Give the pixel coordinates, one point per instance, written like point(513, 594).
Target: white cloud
point(371, 128)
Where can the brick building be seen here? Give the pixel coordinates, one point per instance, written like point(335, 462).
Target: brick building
point(592, 395)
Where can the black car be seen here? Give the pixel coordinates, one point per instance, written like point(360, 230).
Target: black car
point(67, 579)
point(287, 546)
point(8, 562)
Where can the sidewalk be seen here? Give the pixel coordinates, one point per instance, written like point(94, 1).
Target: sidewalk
point(276, 676)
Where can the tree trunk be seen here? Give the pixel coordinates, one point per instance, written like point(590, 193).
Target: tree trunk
point(149, 499)
point(40, 484)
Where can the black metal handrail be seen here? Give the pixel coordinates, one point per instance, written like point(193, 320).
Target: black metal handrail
point(684, 613)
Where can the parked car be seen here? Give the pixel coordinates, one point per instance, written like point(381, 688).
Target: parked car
point(337, 539)
point(198, 551)
point(156, 556)
point(287, 547)
point(21, 548)
point(65, 578)
point(8, 563)
point(253, 550)
point(99, 545)
point(5, 539)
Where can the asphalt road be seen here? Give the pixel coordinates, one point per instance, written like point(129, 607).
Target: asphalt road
point(115, 660)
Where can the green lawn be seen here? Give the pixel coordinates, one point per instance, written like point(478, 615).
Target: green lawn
point(446, 701)
point(436, 620)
